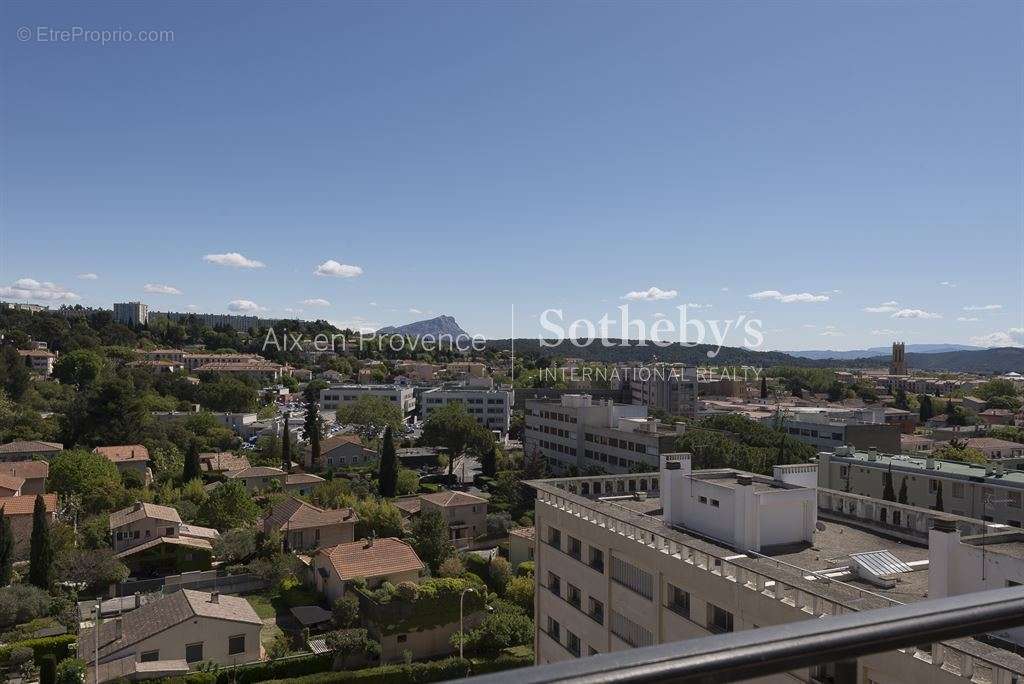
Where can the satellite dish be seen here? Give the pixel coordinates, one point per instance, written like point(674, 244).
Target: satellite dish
point(820, 526)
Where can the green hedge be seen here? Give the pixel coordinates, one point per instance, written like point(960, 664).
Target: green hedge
point(57, 646)
point(276, 669)
point(415, 673)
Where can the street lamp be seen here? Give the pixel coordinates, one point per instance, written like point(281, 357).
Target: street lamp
point(462, 635)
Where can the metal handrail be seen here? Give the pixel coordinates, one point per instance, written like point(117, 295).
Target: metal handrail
point(782, 648)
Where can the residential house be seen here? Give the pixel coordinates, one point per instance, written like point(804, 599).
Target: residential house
point(129, 458)
point(302, 484)
point(342, 451)
point(520, 545)
point(465, 514)
point(997, 449)
point(997, 416)
point(304, 526)
point(151, 540)
point(40, 361)
point(259, 478)
point(18, 511)
point(29, 450)
point(34, 474)
point(172, 635)
point(373, 560)
point(222, 462)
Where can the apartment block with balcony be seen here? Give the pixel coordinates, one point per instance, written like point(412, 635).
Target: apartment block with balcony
point(662, 387)
point(625, 561)
point(491, 408)
point(578, 432)
point(336, 396)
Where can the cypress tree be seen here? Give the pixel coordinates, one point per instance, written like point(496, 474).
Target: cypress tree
point(192, 469)
point(925, 410)
point(903, 491)
point(286, 446)
point(489, 460)
point(312, 430)
point(388, 468)
point(764, 386)
point(6, 549)
point(888, 491)
point(40, 568)
point(938, 499)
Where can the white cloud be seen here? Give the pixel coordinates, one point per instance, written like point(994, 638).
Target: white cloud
point(336, 270)
point(968, 319)
point(1014, 337)
point(801, 297)
point(27, 288)
point(915, 313)
point(946, 283)
point(415, 311)
point(809, 326)
point(660, 315)
point(155, 288)
point(244, 306)
point(885, 331)
point(832, 331)
point(234, 260)
point(725, 289)
point(88, 276)
point(293, 311)
point(357, 323)
point(651, 294)
point(192, 307)
point(373, 303)
point(315, 302)
point(983, 307)
point(884, 307)
point(691, 305)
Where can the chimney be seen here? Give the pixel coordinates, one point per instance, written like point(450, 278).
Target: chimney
point(214, 596)
point(872, 454)
point(675, 485)
point(118, 628)
point(138, 599)
point(138, 505)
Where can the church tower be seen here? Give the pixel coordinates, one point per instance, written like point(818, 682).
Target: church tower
point(898, 364)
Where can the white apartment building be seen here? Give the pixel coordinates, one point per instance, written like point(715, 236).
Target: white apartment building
point(663, 387)
point(625, 561)
point(492, 408)
point(131, 313)
point(336, 396)
point(827, 428)
point(578, 432)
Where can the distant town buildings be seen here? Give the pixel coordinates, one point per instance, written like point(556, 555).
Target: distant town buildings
point(131, 313)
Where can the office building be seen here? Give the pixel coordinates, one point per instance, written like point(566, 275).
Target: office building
point(336, 396)
point(131, 313)
point(491, 408)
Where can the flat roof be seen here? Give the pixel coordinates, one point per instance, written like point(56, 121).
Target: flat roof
point(1011, 478)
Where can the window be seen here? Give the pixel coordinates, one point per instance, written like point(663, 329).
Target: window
point(714, 502)
point(573, 596)
point(630, 632)
point(596, 611)
point(703, 499)
point(555, 537)
point(572, 642)
point(402, 638)
point(632, 577)
point(169, 532)
point(554, 629)
point(678, 601)
point(236, 644)
point(958, 490)
point(719, 619)
point(194, 652)
point(149, 656)
point(554, 584)
point(575, 548)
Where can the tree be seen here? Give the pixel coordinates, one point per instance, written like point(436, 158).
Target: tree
point(40, 569)
point(903, 491)
point(764, 386)
point(431, 539)
point(229, 506)
point(346, 612)
point(21, 603)
point(80, 368)
point(312, 430)
point(408, 482)
point(349, 642)
point(888, 491)
point(519, 591)
point(507, 626)
point(453, 428)
point(371, 414)
point(6, 549)
point(379, 517)
point(235, 546)
point(97, 568)
point(224, 393)
point(286, 445)
point(925, 408)
point(48, 670)
point(71, 671)
point(995, 388)
point(901, 399)
point(489, 460)
point(89, 477)
point(388, 474)
point(111, 412)
point(192, 470)
point(14, 374)
point(938, 498)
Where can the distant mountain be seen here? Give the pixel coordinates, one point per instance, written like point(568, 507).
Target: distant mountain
point(999, 360)
point(442, 325)
point(880, 351)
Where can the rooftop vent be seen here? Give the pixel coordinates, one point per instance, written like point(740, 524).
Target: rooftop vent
point(878, 567)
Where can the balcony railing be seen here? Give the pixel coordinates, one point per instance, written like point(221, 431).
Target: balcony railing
point(807, 643)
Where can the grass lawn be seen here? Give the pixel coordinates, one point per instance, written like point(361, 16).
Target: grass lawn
point(278, 600)
point(262, 605)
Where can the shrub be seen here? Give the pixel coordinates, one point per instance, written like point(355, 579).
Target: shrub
point(498, 524)
point(451, 567)
point(520, 592)
point(70, 671)
point(499, 572)
point(346, 611)
point(21, 603)
point(57, 646)
point(525, 568)
point(407, 591)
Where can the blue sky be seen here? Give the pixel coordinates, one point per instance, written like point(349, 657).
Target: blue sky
point(469, 158)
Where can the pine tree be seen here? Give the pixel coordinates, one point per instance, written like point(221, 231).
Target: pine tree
point(388, 468)
point(903, 491)
point(40, 568)
point(312, 431)
point(6, 549)
point(888, 491)
point(489, 460)
point(925, 408)
point(192, 468)
point(764, 386)
point(286, 445)
point(938, 499)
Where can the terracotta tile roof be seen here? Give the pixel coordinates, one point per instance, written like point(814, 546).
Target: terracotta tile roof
point(153, 618)
point(11, 482)
point(991, 443)
point(385, 556)
point(140, 511)
point(191, 542)
point(123, 452)
point(198, 532)
point(34, 446)
point(528, 533)
point(298, 514)
point(224, 461)
point(449, 498)
point(302, 478)
point(242, 366)
point(408, 504)
point(339, 440)
point(36, 352)
point(24, 505)
point(30, 470)
point(255, 471)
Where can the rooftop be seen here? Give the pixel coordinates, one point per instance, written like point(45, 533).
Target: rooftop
point(24, 505)
point(298, 514)
point(123, 453)
point(26, 469)
point(451, 498)
point(142, 510)
point(372, 558)
point(30, 446)
point(950, 469)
